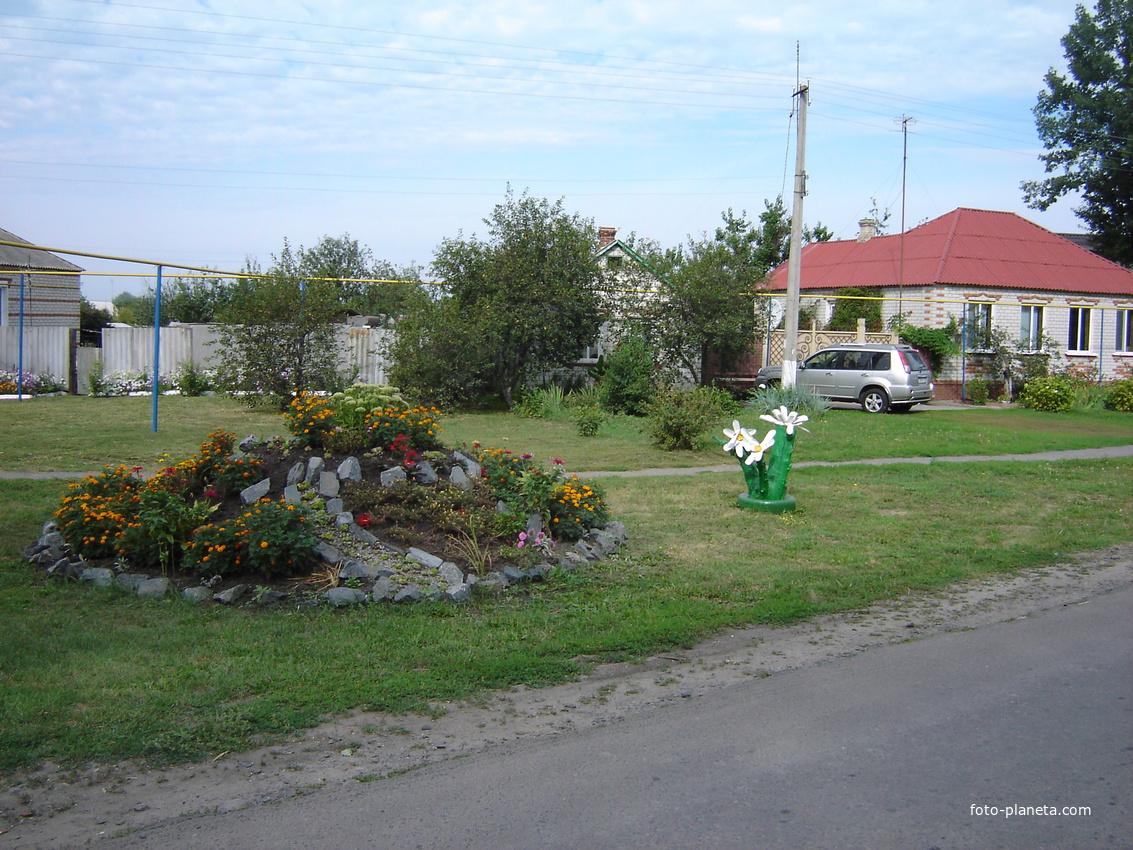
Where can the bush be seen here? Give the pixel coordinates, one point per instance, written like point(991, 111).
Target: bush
point(627, 382)
point(1121, 396)
point(678, 419)
point(191, 381)
point(269, 538)
point(588, 419)
point(979, 391)
point(1050, 394)
point(798, 398)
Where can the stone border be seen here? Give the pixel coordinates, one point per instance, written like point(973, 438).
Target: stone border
point(391, 574)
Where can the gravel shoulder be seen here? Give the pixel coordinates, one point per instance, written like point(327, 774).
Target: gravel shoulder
point(58, 808)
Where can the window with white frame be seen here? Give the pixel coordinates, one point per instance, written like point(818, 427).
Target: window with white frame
point(1124, 341)
point(977, 325)
point(1078, 339)
point(1031, 327)
point(592, 352)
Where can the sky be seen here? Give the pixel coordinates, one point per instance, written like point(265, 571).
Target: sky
point(206, 133)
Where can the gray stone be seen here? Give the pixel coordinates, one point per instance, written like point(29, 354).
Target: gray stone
point(424, 558)
point(603, 541)
point(153, 588)
point(459, 593)
point(334, 507)
point(617, 531)
point(269, 598)
point(98, 576)
point(424, 473)
point(54, 542)
point(502, 507)
point(409, 593)
point(384, 588)
point(534, 524)
point(328, 484)
point(31, 553)
point(492, 580)
point(380, 569)
point(352, 569)
point(296, 473)
point(389, 477)
point(329, 553)
point(539, 571)
point(130, 581)
point(350, 470)
point(451, 573)
point(248, 443)
point(586, 550)
point(253, 494)
point(514, 575)
point(458, 478)
point(341, 597)
point(471, 467)
point(65, 568)
point(314, 469)
point(343, 519)
point(195, 594)
point(291, 494)
point(362, 535)
point(232, 595)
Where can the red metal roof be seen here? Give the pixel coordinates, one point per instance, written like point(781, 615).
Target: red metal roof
point(966, 247)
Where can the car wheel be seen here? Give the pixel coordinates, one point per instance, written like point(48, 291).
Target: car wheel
point(874, 400)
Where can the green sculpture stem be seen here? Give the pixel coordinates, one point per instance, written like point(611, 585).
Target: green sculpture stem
point(779, 465)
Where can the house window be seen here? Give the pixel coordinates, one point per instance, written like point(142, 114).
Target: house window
point(3, 305)
point(977, 325)
point(591, 353)
point(1079, 337)
point(614, 261)
point(1124, 331)
point(1031, 327)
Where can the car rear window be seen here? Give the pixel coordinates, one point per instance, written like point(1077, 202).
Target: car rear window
point(916, 362)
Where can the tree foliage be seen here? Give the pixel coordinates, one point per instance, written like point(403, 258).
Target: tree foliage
point(366, 285)
point(853, 303)
point(705, 310)
point(522, 301)
point(1085, 121)
point(278, 336)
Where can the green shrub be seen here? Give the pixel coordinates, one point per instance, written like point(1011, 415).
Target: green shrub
point(1121, 396)
point(1050, 394)
point(678, 419)
point(628, 380)
point(269, 538)
point(798, 398)
point(540, 403)
point(979, 391)
point(191, 381)
point(588, 419)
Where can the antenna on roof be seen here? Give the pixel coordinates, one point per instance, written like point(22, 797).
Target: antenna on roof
point(905, 121)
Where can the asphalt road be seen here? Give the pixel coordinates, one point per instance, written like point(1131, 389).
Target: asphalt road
point(898, 747)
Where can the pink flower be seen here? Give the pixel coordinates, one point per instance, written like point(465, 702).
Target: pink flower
point(527, 455)
point(210, 493)
point(557, 461)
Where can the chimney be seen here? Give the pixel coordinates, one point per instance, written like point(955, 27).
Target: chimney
point(606, 235)
point(867, 229)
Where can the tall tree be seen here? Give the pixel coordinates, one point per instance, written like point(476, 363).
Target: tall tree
point(529, 291)
point(705, 310)
point(1085, 121)
point(363, 282)
point(279, 334)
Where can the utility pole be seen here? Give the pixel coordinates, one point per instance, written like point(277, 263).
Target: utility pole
point(904, 119)
point(791, 344)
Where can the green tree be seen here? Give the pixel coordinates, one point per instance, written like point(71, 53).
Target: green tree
point(853, 303)
point(278, 336)
point(362, 282)
point(528, 295)
point(1085, 121)
point(705, 310)
point(91, 322)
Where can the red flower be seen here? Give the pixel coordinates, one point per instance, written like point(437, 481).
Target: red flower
point(210, 493)
point(364, 520)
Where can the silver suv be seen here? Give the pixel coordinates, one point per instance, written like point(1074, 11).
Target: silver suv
point(879, 377)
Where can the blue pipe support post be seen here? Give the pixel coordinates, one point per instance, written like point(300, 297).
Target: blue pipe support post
point(20, 364)
point(156, 347)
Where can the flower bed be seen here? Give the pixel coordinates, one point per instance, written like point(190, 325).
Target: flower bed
point(267, 514)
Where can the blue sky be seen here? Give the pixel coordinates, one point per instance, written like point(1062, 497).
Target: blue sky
point(206, 132)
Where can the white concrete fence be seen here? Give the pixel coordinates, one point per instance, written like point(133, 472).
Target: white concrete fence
point(53, 351)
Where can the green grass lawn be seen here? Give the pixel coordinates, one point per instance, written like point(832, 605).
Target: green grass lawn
point(97, 675)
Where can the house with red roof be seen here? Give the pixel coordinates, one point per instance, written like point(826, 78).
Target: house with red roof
point(987, 270)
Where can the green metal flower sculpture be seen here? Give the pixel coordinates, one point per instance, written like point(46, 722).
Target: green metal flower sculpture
point(767, 461)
